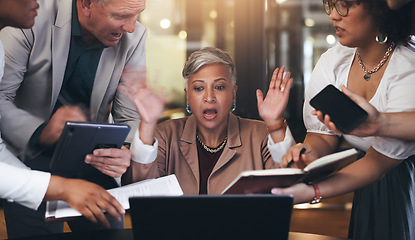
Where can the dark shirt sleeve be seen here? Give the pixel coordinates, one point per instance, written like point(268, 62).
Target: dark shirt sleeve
point(34, 140)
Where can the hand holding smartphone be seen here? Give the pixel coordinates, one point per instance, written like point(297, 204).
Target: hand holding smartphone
point(343, 111)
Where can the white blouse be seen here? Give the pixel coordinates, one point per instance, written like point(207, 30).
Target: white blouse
point(396, 93)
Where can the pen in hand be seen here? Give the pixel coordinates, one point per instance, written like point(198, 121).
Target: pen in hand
point(292, 161)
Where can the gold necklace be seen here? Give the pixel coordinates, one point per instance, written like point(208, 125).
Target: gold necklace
point(214, 150)
point(367, 74)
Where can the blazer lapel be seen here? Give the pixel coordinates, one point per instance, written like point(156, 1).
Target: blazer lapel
point(189, 149)
point(105, 74)
point(188, 146)
point(234, 140)
point(61, 38)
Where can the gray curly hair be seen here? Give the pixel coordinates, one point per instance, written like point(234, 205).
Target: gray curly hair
point(208, 56)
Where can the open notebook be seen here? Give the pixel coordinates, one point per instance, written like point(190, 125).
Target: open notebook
point(211, 217)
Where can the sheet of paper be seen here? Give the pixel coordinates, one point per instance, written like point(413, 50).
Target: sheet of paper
point(51, 207)
point(164, 186)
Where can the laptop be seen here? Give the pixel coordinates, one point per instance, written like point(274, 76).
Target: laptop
point(211, 217)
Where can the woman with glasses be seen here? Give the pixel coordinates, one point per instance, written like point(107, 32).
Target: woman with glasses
point(375, 58)
point(395, 125)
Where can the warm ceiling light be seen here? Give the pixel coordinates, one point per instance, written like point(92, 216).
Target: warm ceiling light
point(182, 35)
point(213, 14)
point(165, 23)
point(309, 22)
point(331, 39)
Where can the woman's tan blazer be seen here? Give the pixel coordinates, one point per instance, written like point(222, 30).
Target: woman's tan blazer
point(246, 149)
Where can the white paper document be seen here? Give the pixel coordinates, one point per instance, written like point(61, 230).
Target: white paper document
point(164, 186)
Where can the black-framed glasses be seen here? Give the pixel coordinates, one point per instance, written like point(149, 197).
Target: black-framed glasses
point(342, 7)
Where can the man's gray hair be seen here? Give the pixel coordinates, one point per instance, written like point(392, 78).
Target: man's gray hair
point(208, 56)
point(102, 3)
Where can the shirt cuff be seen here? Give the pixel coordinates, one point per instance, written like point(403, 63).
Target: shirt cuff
point(42, 180)
point(278, 150)
point(142, 153)
point(28, 188)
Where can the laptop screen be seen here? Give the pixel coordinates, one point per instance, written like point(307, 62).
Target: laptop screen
point(211, 217)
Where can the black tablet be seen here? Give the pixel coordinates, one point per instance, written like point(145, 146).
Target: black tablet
point(81, 138)
point(343, 111)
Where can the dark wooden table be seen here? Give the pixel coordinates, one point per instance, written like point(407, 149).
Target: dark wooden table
point(127, 234)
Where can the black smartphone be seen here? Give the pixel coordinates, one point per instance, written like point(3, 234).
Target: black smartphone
point(343, 112)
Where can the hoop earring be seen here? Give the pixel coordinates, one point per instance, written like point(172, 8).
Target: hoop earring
point(188, 109)
point(233, 107)
point(381, 38)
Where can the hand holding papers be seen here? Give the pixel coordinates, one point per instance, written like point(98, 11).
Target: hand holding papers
point(164, 186)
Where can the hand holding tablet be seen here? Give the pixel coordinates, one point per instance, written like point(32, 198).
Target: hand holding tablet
point(81, 138)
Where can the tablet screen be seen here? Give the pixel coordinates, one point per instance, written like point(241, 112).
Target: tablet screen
point(81, 138)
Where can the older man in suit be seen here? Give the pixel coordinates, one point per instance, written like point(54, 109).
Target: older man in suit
point(67, 68)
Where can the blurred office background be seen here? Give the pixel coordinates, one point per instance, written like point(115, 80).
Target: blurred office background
point(259, 34)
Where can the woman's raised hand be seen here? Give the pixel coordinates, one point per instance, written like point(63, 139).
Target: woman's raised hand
point(273, 106)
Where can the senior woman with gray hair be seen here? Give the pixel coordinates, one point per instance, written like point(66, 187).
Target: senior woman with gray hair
point(208, 149)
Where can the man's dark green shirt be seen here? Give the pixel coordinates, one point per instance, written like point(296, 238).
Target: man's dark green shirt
point(80, 72)
point(81, 67)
